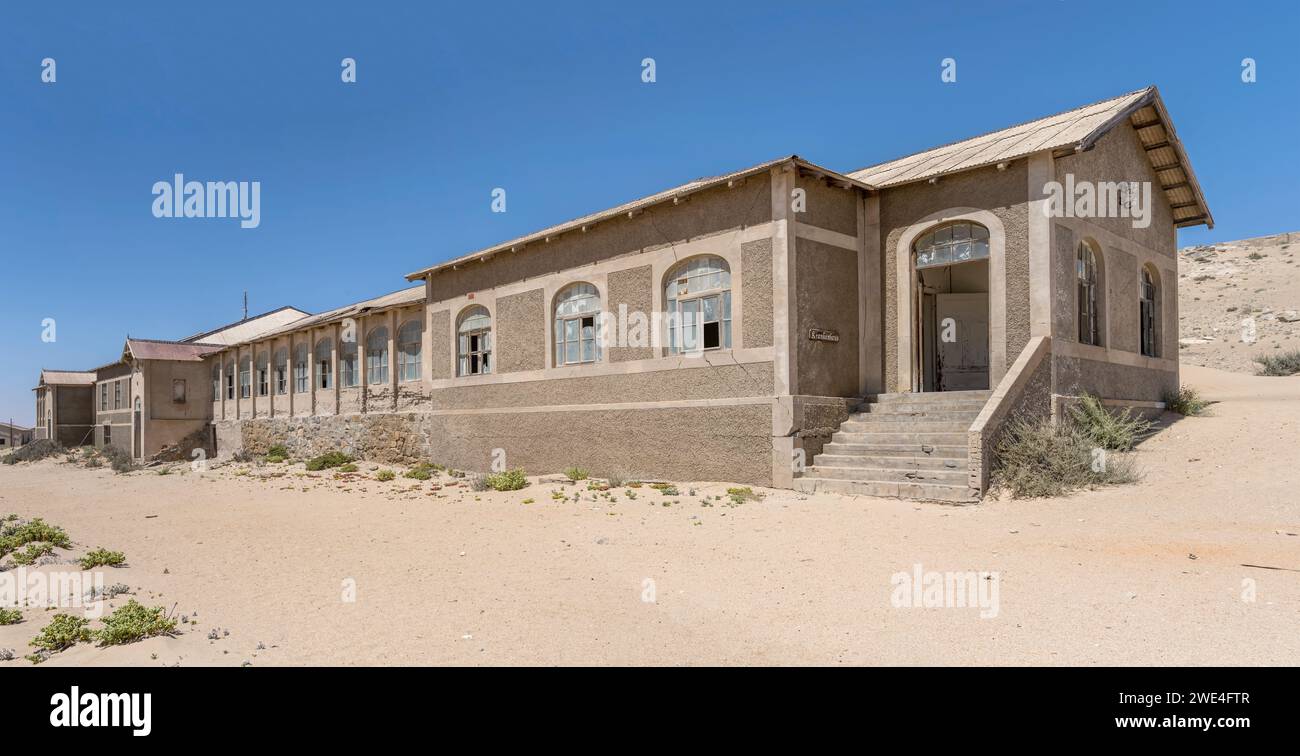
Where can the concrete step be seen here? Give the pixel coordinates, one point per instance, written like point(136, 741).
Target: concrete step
point(930, 397)
point(941, 438)
point(904, 409)
point(893, 463)
point(955, 494)
point(920, 451)
point(920, 415)
point(946, 477)
point(906, 425)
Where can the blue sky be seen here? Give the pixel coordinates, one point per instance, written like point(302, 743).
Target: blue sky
point(364, 182)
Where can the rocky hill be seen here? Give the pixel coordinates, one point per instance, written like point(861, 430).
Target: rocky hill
point(1239, 300)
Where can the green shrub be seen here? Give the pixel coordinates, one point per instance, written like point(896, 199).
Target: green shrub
point(479, 483)
point(422, 471)
point(1285, 363)
point(741, 495)
point(348, 468)
point(36, 450)
point(1109, 430)
point(277, 450)
point(328, 460)
point(576, 474)
point(10, 616)
point(102, 557)
point(1033, 458)
point(64, 631)
point(1186, 401)
point(510, 480)
point(37, 529)
point(616, 479)
point(33, 552)
point(385, 475)
point(133, 622)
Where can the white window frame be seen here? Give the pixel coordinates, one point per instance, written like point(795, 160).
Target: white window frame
point(585, 300)
point(377, 358)
point(408, 361)
point(474, 341)
point(324, 365)
point(693, 301)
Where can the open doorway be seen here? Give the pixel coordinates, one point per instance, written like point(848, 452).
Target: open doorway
point(952, 316)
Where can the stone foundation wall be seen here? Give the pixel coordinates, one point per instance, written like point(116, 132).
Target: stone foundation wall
point(722, 443)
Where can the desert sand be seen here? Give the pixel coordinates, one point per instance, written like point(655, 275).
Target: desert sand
point(1233, 292)
point(1147, 574)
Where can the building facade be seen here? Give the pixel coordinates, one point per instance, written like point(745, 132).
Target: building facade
point(786, 324)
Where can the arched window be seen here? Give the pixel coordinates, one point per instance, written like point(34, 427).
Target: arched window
point(952, 243)
point(474, 341)
point(377, 356)
point(281, 371)
point(349, 376)
point(577, 311)
point(409, 350)
point(1086, 271)
point(323, 354)
point(1149, 312)
point(301, 370)
point(246, 378)
point(230, 381)
point(698, 297)
point(216, 381)
point(263, 375)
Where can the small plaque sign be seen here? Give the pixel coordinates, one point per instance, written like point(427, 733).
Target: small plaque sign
point(821, 334)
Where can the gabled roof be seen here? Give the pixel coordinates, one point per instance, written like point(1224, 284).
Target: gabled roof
point(674, 195)
point(151, 349)
point(1071, 131)
point(408, 296)
point(241, 330)
point(67, 377)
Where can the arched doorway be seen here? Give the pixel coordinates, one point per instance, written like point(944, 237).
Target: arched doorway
point(951, 319)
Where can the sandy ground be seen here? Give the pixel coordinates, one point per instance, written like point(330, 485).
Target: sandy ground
point(1255, 282)
point(1144, 574)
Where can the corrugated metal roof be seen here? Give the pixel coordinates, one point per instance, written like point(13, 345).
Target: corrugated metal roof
point(149, 349)
point(407, 296)
point(1055, 131)
point(234, 333)
point(634, 206)
point(67, 377)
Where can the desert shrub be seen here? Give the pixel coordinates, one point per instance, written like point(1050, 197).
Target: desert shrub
point(350, 467)
point(119, 459)
point(33, 552)
point(385, 475)
point(740, 495)
point(10, 616)
point(668, 490)
point(479, 483)
point(422, 471)
point(102, 557)
point(277, 450)
point(1034, 458)
point(616, 479)
point(15, 535)
point(36, 450)
point(133, 622)
point(64, 631)
point(1285, 363)
point(97, 593)
point(1109, 430)
point(575, 474)
point(510, 480)
point(328, 460)
point(1186, 401)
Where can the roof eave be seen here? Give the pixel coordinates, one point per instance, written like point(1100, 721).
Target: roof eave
point(600, 217)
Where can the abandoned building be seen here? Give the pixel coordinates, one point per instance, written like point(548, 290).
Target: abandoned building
point(64, 410)
point(13, 436)
point(786, 324)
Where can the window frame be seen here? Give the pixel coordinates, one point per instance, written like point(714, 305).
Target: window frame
point(246, 378)
point(1087, 282)
point(301, 369)
point(408, 363)
point(281, 371)
point(324, 367)
point(263, 374)
point(942, 244)
point(349, 375)
point(1148, 312)
point(676, 305)
point(561, 330)
point(474, 357)
point(377, 357)
point(182, 397)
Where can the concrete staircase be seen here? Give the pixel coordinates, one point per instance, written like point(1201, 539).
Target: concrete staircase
point(910, 446)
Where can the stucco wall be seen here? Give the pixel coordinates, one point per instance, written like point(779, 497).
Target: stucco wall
point(826, 282)
point(756, 278)
point(1111, 380)
point(731, 443)
point(632, 289)
point(829, 207)
point(519, 332)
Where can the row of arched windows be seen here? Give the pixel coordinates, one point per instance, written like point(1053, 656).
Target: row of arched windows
point(275, 373)
point(1090, 284)
point(697, 297)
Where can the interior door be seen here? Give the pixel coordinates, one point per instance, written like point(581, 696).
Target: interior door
point(962, 331)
